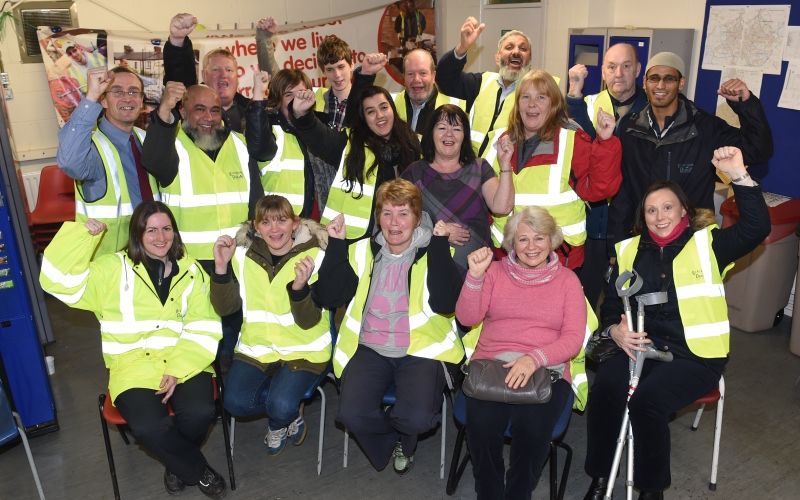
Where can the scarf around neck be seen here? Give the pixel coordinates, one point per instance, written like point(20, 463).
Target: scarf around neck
point(663, 241)
point(531, 277)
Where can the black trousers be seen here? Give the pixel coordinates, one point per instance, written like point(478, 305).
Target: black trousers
point(595, 265)
point(419, 383)
point(664, 388)
point(531, 430)
point(174, 441)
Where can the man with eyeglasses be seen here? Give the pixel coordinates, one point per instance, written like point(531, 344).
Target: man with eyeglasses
point(622, 97)
point(672, 139)
point(104, 156)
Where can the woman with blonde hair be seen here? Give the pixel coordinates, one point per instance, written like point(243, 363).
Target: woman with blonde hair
point(500, 294)
point(554, 163)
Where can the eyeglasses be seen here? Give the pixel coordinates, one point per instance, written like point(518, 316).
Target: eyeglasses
point(668, 79)
point(129, 93)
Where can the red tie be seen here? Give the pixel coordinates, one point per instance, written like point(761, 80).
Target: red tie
point(144, 181)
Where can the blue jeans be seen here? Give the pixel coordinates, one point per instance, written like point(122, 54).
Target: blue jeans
point(249, 391)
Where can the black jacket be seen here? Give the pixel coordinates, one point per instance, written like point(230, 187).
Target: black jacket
point(654, 265)
point(683, 155)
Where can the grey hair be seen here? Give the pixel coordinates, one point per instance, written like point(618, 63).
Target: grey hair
point(538, 219)
point(512, 33)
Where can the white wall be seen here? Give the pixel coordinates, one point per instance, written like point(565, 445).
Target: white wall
point(31, 113)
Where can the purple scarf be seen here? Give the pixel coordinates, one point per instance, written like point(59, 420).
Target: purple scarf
point(526, 276)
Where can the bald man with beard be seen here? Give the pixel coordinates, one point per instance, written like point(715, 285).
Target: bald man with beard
point(202, 168)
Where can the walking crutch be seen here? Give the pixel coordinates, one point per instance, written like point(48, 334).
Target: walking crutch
point(635, 371)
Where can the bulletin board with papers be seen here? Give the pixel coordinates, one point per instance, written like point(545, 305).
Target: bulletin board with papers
point(758, 42)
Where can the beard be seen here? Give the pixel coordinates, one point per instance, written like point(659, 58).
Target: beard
point(207, 141)
point(512, 75)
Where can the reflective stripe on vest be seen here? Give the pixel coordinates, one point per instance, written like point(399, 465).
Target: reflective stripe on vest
point(432, 336)
point(546, 186)
point(114, 208)
point(209, 198)
point(269, 332)
point(700, 292)
point(284, 175)
point(164, 333)
point(357, 211)
point(482, 112)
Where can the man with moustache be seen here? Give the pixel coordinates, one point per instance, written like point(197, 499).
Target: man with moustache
point(622, 96)
point(420, 97)
point(202, 168)
point(489, 96)
point(103, 156)
point(672, 139)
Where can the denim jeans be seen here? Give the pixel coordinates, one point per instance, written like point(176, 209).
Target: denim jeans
point(249, 391)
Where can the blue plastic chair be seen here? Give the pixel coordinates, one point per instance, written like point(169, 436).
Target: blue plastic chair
point(458, 464)
point(10, 428)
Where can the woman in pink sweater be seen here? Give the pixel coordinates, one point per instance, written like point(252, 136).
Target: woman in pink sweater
point(534, 314)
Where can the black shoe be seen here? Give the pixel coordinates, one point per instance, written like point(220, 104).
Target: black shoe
point(597, 490)
point(211, 484)
point(651, 495)
point(173, 483)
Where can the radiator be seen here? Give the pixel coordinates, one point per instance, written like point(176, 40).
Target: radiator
point(30, 181)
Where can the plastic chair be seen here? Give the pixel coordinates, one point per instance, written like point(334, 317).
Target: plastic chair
point(458, 464)
point(715, 396)
point(110, 415)
point(308, 395)
point(11, 427)
point(389, 399)
point(55, 203)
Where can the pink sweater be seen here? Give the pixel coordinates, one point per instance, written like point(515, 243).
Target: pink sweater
point(546, 321)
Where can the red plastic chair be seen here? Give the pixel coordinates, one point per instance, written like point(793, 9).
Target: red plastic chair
point(715, 396)
point(55, 203)
point(110, 415)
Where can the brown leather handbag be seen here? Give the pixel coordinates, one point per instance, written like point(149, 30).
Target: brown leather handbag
point(486, 381)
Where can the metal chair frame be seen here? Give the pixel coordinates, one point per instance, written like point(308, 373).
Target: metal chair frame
point(110, 414)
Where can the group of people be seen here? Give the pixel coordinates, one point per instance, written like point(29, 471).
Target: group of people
point(391, 237)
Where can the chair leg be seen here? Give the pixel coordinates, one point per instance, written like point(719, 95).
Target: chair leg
point(696, 422)
point(233, 434)
point(553, 471)
point(562, 487)
point(321, 429)
point(227, 441)
point(111, 469)
point(444, 437)
point(27, 446)
point(712, 485)
point(457, 465)
point(123, 434)
point(346, 441)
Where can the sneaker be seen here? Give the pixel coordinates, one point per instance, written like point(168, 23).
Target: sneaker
point(173, 483)
point(275, 440)
point(211, 484)
point(401, 463)
point(297, 431)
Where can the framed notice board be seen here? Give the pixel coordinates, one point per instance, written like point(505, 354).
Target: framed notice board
point(781, 174)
